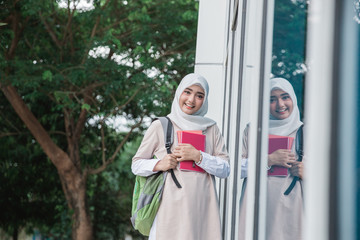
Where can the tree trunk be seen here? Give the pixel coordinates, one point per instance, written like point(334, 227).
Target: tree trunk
point(74, 186)
point(72, 179)
point(15, 234)
point(75, 192)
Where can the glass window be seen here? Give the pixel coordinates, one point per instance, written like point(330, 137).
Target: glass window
point(284, 205)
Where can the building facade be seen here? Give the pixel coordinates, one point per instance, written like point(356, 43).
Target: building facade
point(236, 52)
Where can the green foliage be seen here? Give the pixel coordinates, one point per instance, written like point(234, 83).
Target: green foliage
point(57, 69)
point(31, 193)
point(110, 196)
point(289, 43)
point(109, 192)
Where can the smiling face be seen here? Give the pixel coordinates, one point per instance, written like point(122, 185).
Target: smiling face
point(191, 99)
point(281, 105)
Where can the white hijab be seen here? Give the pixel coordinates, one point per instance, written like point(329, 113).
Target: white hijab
point(196, 121)
point(286, 126)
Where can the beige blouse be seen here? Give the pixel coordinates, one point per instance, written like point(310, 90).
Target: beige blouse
point(190, 212)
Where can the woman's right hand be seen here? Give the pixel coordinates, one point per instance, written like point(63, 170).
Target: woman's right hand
point(168, 162)
point(281, 157)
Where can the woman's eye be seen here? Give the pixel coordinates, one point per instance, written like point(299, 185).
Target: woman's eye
point(286, 97)
point(200, 96)
point(187, 92)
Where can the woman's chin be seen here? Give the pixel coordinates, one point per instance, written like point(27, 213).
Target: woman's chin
point(282, 117)
point(188, 111)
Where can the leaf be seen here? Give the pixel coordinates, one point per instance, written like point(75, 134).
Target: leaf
point(85, 106)
point(47, 75)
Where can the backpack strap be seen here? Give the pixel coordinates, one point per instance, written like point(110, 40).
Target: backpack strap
point(300, 153)
point(299, 143)
point(169, 139)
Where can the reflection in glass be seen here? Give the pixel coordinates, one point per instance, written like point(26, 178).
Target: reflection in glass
point(289, 44)
point(285, 165)
point(244, 167)
point(284, 212)
point(357, 11)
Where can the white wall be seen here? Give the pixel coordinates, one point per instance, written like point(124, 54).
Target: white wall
point(210, 54)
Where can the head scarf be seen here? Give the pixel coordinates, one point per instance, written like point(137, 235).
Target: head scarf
point(286, 126)
point(196, 121)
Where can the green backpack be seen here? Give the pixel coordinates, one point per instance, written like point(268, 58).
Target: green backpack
point(148, 190)
point(146, 201)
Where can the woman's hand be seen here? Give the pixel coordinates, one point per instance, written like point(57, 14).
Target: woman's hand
point(187, 152)
point(168, 162)
point(297, 169)
point(281, 157)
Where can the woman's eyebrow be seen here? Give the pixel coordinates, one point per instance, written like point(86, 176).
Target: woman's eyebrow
point(284, 94)
point(189, 89)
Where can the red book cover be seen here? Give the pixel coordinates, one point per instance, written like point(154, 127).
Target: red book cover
point(279, 142)
point(197, 139)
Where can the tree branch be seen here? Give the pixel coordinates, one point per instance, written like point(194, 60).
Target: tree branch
point(113, 99)
point(114, 24)
point(171, 51)
point(126, 103)
point(35, 127)
point(93, 32)
point(105, 5)
point(68, 24)
point(91, 37)
point(73, 145)
point(82, 117)
point(15, 40)
point(50, 31)
point(103, 148)
point(72, 68)
point(68, 128)
point(15, 20)
point(118, 148)
point(7, 134)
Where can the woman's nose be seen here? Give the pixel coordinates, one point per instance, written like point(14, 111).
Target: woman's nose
point(281, 103)
point(191, 98)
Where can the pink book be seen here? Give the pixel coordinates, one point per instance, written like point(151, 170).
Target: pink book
point(279, 142)
point(197, 139)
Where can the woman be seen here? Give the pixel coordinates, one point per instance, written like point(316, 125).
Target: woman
point(190, 212)
point(284, 212)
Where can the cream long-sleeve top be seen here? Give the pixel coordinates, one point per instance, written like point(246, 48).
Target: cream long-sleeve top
point(211, 164)
point(190, 212)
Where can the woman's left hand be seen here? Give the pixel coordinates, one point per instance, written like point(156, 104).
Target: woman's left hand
point(186, 151)
point(297, 169)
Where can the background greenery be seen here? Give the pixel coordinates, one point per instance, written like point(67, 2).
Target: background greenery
point(117, 60)
point(289, 44)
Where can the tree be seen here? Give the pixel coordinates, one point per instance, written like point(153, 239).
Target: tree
point(119, 59)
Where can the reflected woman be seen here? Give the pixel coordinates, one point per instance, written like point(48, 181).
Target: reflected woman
point(284, 204)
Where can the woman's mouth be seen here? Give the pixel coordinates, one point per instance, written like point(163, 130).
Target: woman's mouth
point(189, 106)
point(281, 111)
